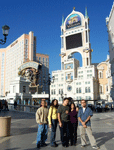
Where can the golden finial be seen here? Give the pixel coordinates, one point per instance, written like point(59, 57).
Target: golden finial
point(73, 8)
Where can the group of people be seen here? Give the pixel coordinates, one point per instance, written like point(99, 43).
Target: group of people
point(67, 116)
point(3, 105)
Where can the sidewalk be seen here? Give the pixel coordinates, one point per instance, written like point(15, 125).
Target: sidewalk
point(24, 131)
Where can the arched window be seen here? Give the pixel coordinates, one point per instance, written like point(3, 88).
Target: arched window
point(89, 97)
point(86, 90)
point(100, 74)
point(85, 25)
point(76, 90)
point(39, 58)
point(86, 37)
point(62, 43)
point(79, 90)
point(59, 91)
point(87, 61)
point(89, 90)
point(62, 32)
point(107, 88)
point(101, 89)
point(52, 92)
point(43, 60)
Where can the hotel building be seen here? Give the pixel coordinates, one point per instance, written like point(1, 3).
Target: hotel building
point(110, 30)
point(14, 56)
point(44, 73)
point(74, 81)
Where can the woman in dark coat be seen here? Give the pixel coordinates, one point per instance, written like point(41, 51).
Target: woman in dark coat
point(73, 124)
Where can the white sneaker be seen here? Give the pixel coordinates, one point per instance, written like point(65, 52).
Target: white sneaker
point(95, 147)
point(83, 146)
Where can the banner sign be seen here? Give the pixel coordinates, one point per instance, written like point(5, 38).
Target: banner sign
point(73, 21)
point(29, 64)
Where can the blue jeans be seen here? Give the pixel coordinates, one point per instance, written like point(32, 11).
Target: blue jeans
point(42, 133)
point(53, 131)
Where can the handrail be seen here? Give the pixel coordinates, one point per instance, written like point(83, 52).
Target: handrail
point(21, 107)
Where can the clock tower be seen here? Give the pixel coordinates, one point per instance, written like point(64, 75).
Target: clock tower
point(72, 80)
point(75, 37)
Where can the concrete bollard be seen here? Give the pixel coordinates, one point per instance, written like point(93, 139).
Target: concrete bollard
point(5, 125)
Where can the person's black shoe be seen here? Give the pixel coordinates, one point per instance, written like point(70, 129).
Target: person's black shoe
point(71, 144)
point(67, 145)
point(44, 144)
point(53, 145)
point(56, 144)
point(38, 145)
point(63, 145)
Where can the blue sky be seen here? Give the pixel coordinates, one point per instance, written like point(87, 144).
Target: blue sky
point(44, 18)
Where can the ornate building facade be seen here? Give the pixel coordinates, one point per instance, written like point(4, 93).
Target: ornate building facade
point(72, 80)
point(110, 30)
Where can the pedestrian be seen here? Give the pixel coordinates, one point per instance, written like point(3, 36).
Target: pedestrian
point(1, 106)
point(42, 120)
point(15, 105)
point(53, 120)
point(63, 118)
point(73, 125)
point(84, 116)
point(6, 105)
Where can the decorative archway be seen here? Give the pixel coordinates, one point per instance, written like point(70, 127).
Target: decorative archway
point(74, 52)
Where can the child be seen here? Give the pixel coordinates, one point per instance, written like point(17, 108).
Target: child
point(41, 119)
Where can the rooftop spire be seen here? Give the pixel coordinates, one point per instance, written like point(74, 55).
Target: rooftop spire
point(62, 19)
point(86, 14)
point(73, 8)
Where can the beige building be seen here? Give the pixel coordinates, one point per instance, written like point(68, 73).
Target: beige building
point(15, 55)
point(104, 80)
point(44, 73)
point(21, 50)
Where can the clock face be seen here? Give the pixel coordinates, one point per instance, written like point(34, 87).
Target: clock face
point(69, 87)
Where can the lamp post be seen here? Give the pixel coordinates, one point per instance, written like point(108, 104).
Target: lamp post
point(63, 95)
point(5, 30)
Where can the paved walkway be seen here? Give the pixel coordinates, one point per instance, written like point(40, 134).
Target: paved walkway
point(24, 131)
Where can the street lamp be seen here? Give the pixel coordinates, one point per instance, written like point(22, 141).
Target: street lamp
point(5, 30)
